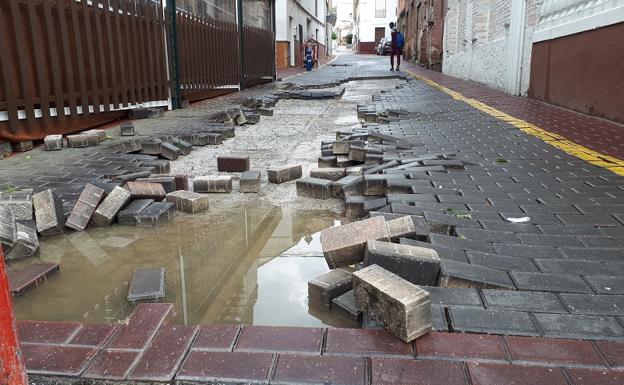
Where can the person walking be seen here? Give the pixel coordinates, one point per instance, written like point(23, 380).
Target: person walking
point(397, 47)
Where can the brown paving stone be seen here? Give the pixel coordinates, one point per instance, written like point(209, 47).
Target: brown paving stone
point(365, 342)
point(54, 359)
point(141, 326)
point(164, 355)
point(217, 337)
point(113, 365)
point(613, 351)
point(226, 367)
point(456, 346)
point(94, 335)
point(280, 339)
point(596, 377)
point(46, 332)
point(497, 374)
point(32, 275)
point(390, 371)
point(547, 351)
point(312, 370)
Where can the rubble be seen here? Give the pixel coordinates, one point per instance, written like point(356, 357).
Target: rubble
point(84, 208)
point(345, 245)
point(324, 288)
point(188, 201)
point(284, 174)
point(49, 212)
point(147, 284)
point(106, 212)
point(250, 182)
point(213, 184)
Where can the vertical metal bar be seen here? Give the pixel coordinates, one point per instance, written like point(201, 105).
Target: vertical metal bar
point(175, 72)
point(162, 53)
point(273, 22)
point(84, 97)
point(150, 49)
point(141, 51)
point(5, 66)
point(95, 89)
point(120, 49)
point(54, 59)
point(39, 64)
point(131, 53)
point(100, 43)
point(241, 44)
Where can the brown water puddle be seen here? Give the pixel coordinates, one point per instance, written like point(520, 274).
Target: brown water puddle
point(221, 267)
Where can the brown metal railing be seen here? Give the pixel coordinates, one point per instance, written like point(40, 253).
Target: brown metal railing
point(258, 65)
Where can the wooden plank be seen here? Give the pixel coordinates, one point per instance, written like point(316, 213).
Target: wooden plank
point(27, 86)
point(54, 59)
point(99, 15)
point(120, 49)
point(36, 40)
point(93, 75)
point(84, 96)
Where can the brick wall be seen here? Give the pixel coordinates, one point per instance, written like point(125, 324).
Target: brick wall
point(417, 32)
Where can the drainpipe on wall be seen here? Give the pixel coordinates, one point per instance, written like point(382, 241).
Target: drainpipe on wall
point(515, 46)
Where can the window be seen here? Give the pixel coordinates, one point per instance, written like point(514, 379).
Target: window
point(380, 8)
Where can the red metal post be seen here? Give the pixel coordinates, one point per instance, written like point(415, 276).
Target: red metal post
point(11, 365)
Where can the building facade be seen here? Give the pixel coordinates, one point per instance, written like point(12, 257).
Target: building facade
point(296, 22)
point(344, 20)
point(370, 23)
point(422, 24)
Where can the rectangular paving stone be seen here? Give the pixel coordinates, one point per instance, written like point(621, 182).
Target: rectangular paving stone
point(415, 264)
point(280, 339)
point(126, 129)
point(558, 283)
point(19, 202)
point(56, 360)
point(612, 351)
point(226, 367)
point(146, 190)
point(128, 215)
point(168, 182)
point(345, 303)
point(542, 351)
point(26, 243)
point(405, 226)
point(589, 219)
point(106, 212)
point(332, 173)
point(188, 201)
point(569, 230)
point(46, 332)
point(96, 335)
point(82, 140)
point(141, 327)
point(459, 243)
point(565, 266)
point(314, 188)
point(460, 347)
point(347, 186)
point(156, 213)
point(537, 301)
point(461, 274)
point(365, 343)
point(379, 294)
point(469, 319)
point(30, 276)
point(113, 364)
point(284, 174)
point(328, 286)
point(446, 296)
point(579, 326)
point(526, 251)
point(8, 229)
point(82, 212)
point(486, 235)
point(549, 240)
point(22, 146)
point(250, 182)
point(495, 374)
point(591, 304)
point(301, 369)
point(611, 254)
point(345, 245)
point(49, 212)
point(233, 163)
point(357, 206)
point(169, 151)
point(152, 146)
point(501, 262)
point(213, 184)
point(606, 284)
point(595, 376)
point(147, 284)
point(216, 337)
point(53, 142)
point(326, 161)
point(161, 359)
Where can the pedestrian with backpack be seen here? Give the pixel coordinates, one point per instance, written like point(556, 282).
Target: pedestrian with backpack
point(398, 41)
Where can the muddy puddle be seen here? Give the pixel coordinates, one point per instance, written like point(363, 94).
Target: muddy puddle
point(248, 263)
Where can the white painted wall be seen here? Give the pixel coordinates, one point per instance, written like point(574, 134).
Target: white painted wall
point(344, 18)
point(365, 21)
point(301, 11)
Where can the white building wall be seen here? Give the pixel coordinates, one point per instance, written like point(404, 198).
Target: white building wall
point(301, 11)
point(366, 22)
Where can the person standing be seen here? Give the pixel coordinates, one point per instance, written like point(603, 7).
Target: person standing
point(397, 47)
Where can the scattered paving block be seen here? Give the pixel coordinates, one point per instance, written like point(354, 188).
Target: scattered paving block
point(324, 288)
point(169, 151)
point(314, 188)
point(347, 186)
point(326, 161)
point(345, 245)
point(138, 113)
point(126, 129)
point(19, 202)
point(252, 118)
point(357, 206)
point(84, 208)
point(184, 146)
point(332, 174)
point(110, 206)
point(168, 182)
point(403, 308)
point(152, 146)
point(461, 274)
point(32, 275)
point(404, 227)
point(82, 140)
point(472, 319)
point(535, 301)
point(128, 215)
point(155, 112)
point(26, 243)
point(8, 229)
point(354, 170)
point(53, 142)
point(147, 284)
point(143, 190)
point(264, 111)
point(233, 163)
point(155, 214)
point(284, 174)
point(417, 265)
point(550, 282)
point(188, 201)
point(250, 182)
point(158, 166)
point(213, 184)
point(22, 146)
point(100, 134)
point(127, 146)
point(346, 303)
point(49, 212)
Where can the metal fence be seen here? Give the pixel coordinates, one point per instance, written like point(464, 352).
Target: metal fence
point(258, 65)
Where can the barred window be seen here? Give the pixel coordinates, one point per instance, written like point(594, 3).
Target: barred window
point(380, 8)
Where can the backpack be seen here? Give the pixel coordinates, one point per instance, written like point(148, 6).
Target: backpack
point(400, 40)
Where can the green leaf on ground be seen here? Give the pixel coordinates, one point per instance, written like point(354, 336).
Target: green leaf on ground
point(501, 160)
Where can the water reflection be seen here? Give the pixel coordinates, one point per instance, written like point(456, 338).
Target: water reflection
point(221, 267)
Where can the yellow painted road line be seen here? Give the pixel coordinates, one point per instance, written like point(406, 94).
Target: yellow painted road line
point(593, 157)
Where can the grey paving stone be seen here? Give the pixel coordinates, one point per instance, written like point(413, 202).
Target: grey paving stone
point(442, 222)
point(106, 212)
point(26, 243)
point(128, 215)
point(188, 201)
point(8, 229)
point(593, 254)
point(591, 304)
point(501, 225)
point(438, 319)
point(347, 186)
point(601, 241)
point(589, 219)
point(486, 235)
point(284, 174)
point(20, 203)
point(147, 284)
point(549, 209)
point(557, 283)
point(527, 251)
point(84, 208)
point(417, 265)
point(566, 266)
point(550, 240)
point(536, 301)
point(346, 303)
point(501, 262)
point(603, 284)
point(449, 296)
point(326, 287)
point(156, 213)
point(315, 188)
point(569, 230)
point(213, 184)
point(460, 274)
point(538, 219)
point(617, 232)
point(49, 212)
point(600, 209)
point(579, 326)
point(476, 320)
point(459, 243)
point(443, 252)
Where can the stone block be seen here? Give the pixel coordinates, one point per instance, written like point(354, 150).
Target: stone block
point(128, 215)
point(20, 204)
point(155, 112)
point(8, 229)
point(106, 212)
point(188, 201)
point(314, 188)
point(332, 174)
point(138, 113)
point(344, 161)
point(461, 274)
point(184, 146)
point(264, 111)
point(127, 146)
point(26, 243)
point(250, 182)
point(402, 308)
point(404, 227)
point(49, 212)
point(53, 142)
point(418, 265)
point(211, 138)
point(324, 288)
point(30, 276)
point(5, 150)
point(152, 146)
point(84, 208)
point(284, 174)
point(357, 206)
point(345, 245)
point(159, 166)
point(252, 118)
point(326, 161)
point(147, 284)
point(22, 146)
point(155, 214)
point(82, 140)
point(354, 170)
point(233, 163)
point(376, 184)
point(346, 303)
point(213, 184)
point(142, 190)
point(349, 185)
point(169, 151)
point(167, 182)
point(342, 147)
point(100, 134)
point(126, 129)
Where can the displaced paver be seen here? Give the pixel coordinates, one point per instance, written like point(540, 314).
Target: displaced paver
point(188, 201)
point(107, 211)
point(417, 265)
point(345, 245)
point(250, 182)
point(213, 184)
point(49, 212)
point(82, 212)
point(284, 174)
point(28, 277)
point(147, 284)
point(324, 288)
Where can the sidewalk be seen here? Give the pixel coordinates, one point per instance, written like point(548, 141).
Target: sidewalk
point(284, 73)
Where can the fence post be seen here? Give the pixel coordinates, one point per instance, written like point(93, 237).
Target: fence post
point(274, 42)
point(241, 44)
point(175, 70)
point(13, 371)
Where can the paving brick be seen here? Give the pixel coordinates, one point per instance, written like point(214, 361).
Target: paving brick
point(8, 229)
point(126, 129)
point(188, 201)
point(550, 282)
point(443, 252)
point(303, 369)
point(106, 212)
point(162, 358)
point(332, 174)
point(147, 284)
point(280, 339)
point(444, 296)
point(476, 320)
point(606, 284)
point(146, 190)
point(405, 226)
point(526, 251)
point(566, 266)
point(418, 265)
point(284, 174)
point(365, 343)
point(595, 377)
point(612, 351)
point(460, 347)
point(460, 274)
point(168, 182)
point(56, 360)
point(233, 163)
point(594, 304)
point(155, 214)
point(26, 278)
point(579, 326)
point(593, 254)
point(349, 185)
point(345, 245)
point(549, 240)
point(128, 215)
point(82, 140)
point(216, 337)
point(314, 188)
point(141, 326)
point(589, 219)
point(513, 227)
point(20, 203)
point(226, 367)
point(46, 332)
point(213, 184)
point(250, 182)
point(113, 364)
point(53, 142)
point(555, 352)
point(459, 243)
point(49, 212)
point(569, 230)
point(497, 374)
point(169, 151)
point(357, 206)
point(26, 242)
point(346, 303)
point(501, 262)
point(327, 286)
point(544, 302)
point(96, 335)
point(386, 371)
